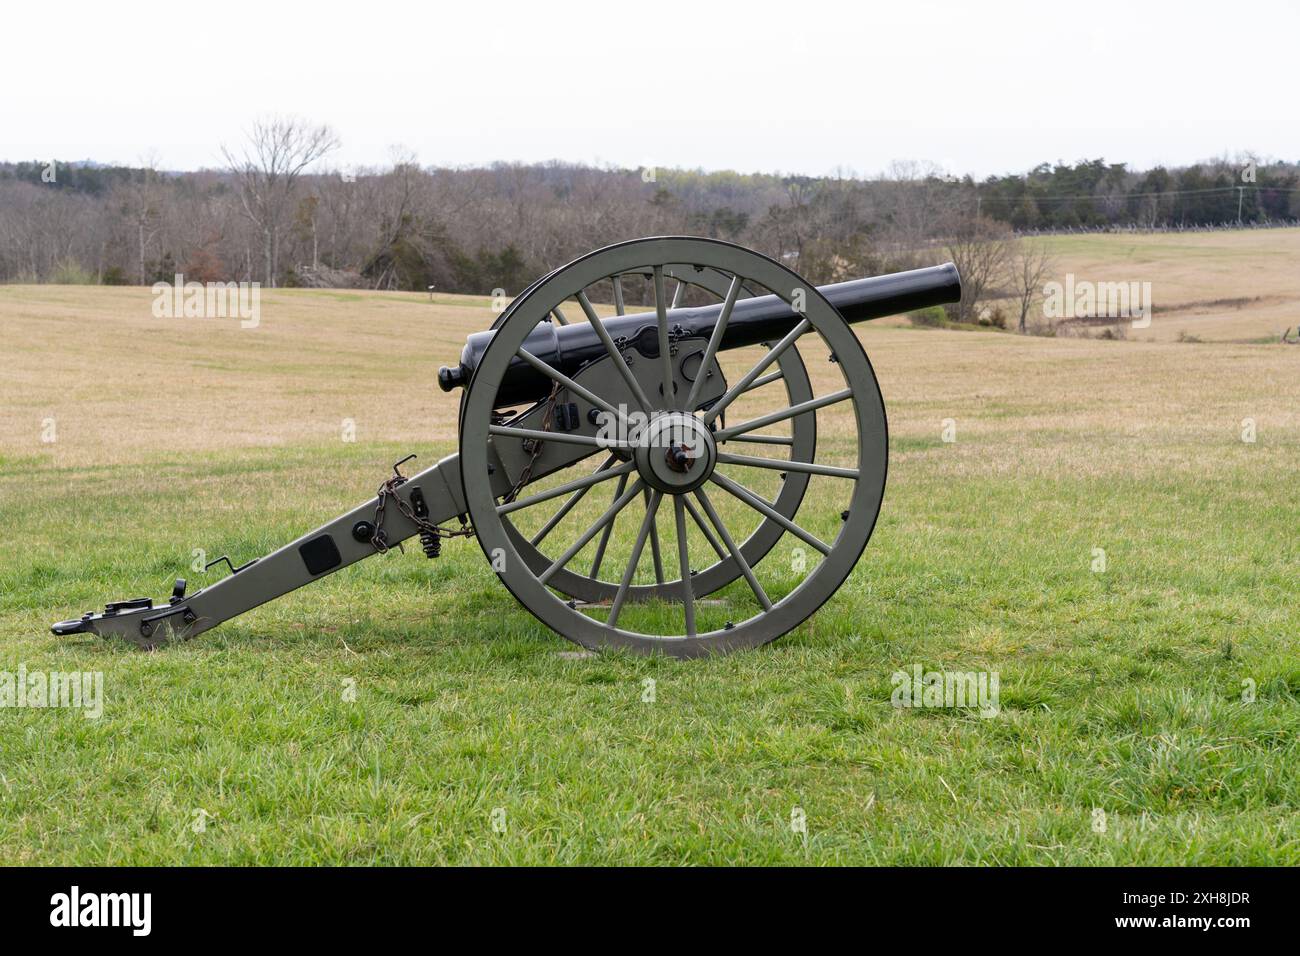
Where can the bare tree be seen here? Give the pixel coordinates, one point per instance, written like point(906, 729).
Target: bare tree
point(980, 248)
point(1028, 266)
point(141, 205)
point(266, 174)
point(913, 203)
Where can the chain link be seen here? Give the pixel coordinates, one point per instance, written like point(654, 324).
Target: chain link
point(547, 421)
point(430, 533)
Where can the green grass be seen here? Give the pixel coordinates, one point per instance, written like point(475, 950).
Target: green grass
point(1121, 691)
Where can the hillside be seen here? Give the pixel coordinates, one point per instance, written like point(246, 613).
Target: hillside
point(1241, 286)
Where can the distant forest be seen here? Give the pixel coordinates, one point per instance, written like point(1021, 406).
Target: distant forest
point(280, 215)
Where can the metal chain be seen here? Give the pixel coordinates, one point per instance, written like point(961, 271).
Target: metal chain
point(430, 532)
point(423, 525)
point(547, 421)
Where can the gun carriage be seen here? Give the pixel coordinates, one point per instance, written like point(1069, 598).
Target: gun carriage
point(628, 420)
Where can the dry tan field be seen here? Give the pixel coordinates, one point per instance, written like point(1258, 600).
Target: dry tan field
point(121, 383)
point(1241, 287)
point(1216, 286)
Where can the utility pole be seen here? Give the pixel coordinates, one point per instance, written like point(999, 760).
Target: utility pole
point(1241, 192)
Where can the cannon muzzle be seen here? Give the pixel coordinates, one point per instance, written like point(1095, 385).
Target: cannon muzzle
point(567, 348)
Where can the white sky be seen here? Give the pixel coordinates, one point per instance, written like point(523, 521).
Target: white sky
point(809, 86)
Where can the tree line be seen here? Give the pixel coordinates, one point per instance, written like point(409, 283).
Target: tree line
point(1096, 193)
point(277, 213)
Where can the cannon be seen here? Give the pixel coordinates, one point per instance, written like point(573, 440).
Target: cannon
point(640, 394)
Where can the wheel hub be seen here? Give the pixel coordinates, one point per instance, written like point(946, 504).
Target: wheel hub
point(676, 453)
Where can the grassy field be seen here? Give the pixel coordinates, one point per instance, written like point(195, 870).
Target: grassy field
point(1230, 287)
point(1148, 711)
point(1215, 286)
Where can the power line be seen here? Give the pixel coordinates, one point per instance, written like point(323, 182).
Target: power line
point(1167, 192)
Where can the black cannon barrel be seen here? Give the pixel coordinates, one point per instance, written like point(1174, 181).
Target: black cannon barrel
point(567, 348)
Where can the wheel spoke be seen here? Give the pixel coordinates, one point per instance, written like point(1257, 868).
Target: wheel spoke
point(568, 486)
point(564, 438)
point(715, 340)
point(773, 354)
point(665, 347)
point(654, 550)
point(767, 379)
point(638, 393)
point(604, 535)
point(647, 523)
point(705, 530)
point(727, 434)
point(763, 439)
point(765, 509)
point(580, 390)
point(610, 514)
point(745, 569)
point(679, 294)
point(777, 464)
point(619, 307)
point(684, 563)
point(559, 316)
point(568, 505)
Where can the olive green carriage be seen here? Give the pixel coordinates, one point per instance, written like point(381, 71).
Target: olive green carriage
point(578, 419)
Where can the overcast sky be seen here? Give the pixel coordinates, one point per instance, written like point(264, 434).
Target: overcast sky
point(808, 86)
